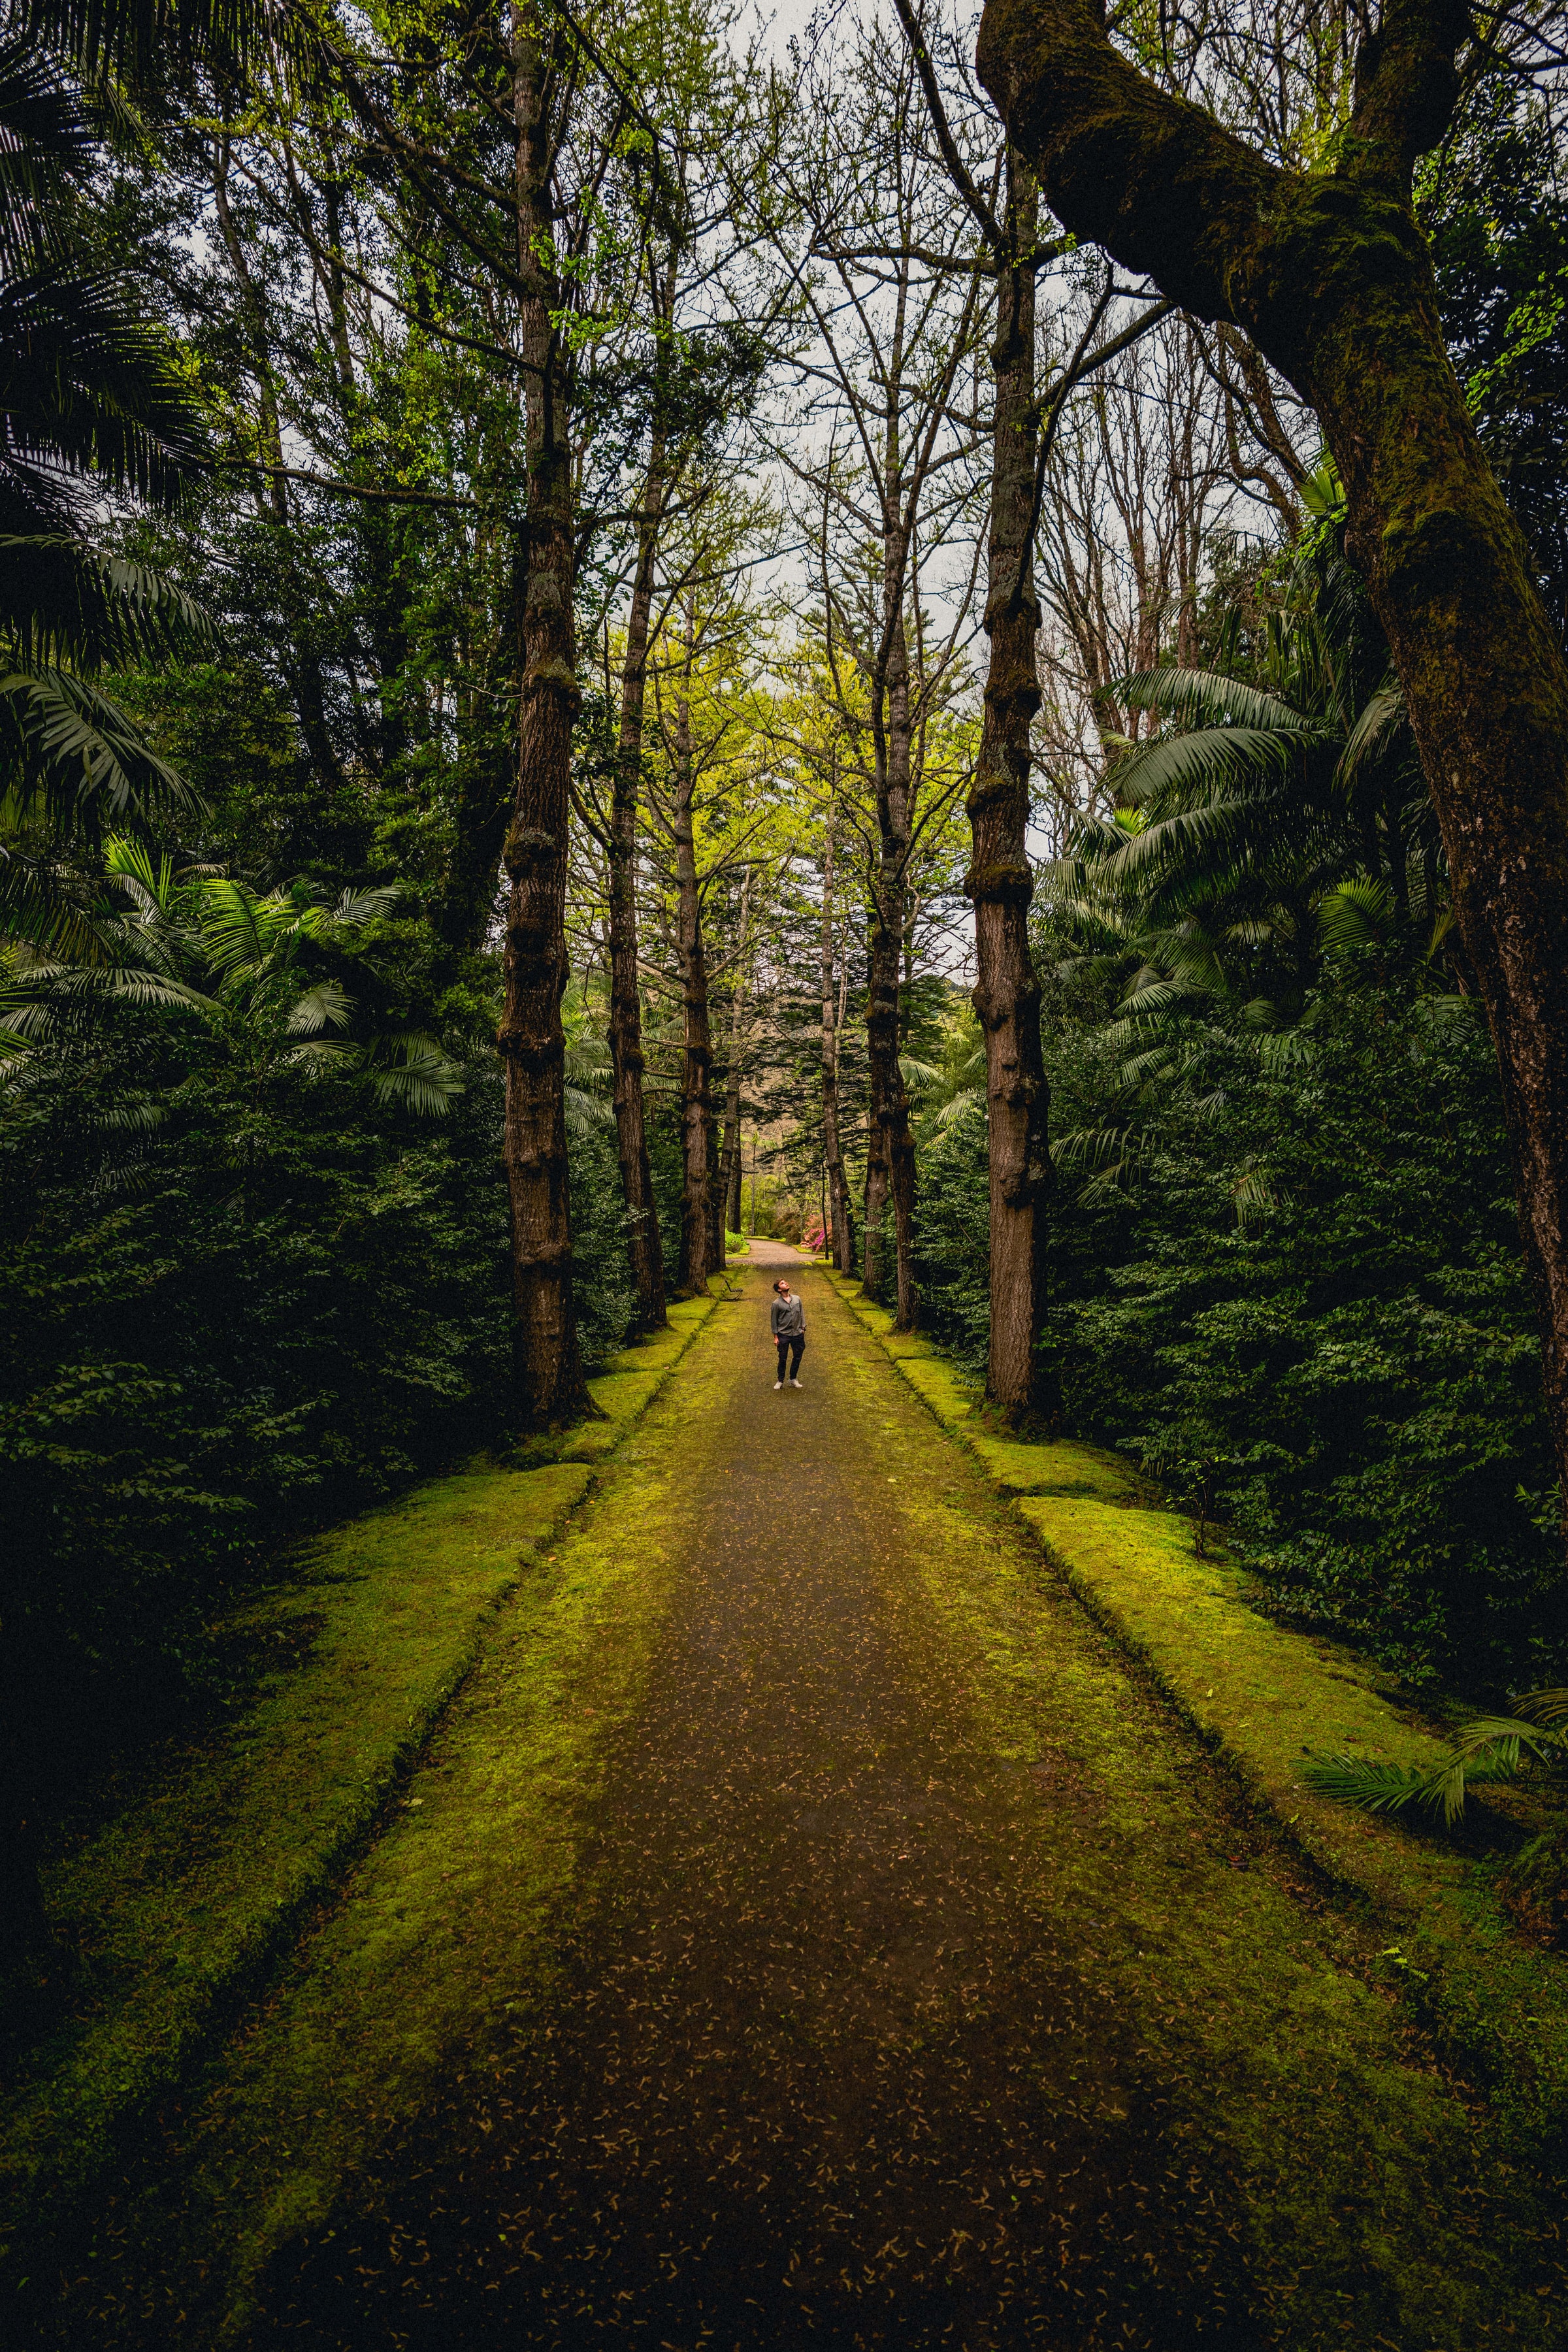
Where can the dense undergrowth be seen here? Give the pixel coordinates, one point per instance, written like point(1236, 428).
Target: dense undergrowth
point(1347, 1372)
point(275, 1307)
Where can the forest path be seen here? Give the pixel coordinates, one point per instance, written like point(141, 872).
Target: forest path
point(915, 1986)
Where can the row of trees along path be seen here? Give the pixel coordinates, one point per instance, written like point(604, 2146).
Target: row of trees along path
point(915, 1983)
point(1324, 271)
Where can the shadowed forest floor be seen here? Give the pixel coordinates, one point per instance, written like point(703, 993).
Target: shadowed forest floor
point(848, 1950)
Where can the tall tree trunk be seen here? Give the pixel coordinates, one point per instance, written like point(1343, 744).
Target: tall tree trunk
point(1329, 275)
point(627, 1062)
point(897, 827)
point(882, 1054)
point(890, 1147)
point(548, 1365)
point(696, 1096)
point(736, 1208)
point(717, 1259)
point(1007, 994)
point(730, 1180)
point(832, 1149)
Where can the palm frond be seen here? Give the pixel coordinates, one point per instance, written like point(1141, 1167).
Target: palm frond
point(1378, 721)
point(356, 908)
point(47, 905)
point(68, 753)
point(1549, 1706)
point(585, 1111)
point(325, 1005)
point(91, 387)
point(1210, 760)
point(239, 930)
point(1488, 1747)
point(970, 1102)
point(1206, 697)
point(1374, 1787)
point(47, 137)
point(136, 39)
point(414, 1072)
point(65, 604)
point(1359, 914)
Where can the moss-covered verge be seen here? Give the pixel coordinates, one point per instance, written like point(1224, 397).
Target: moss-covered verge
point(1260, 1694)
point(179, 1905)
point(426, 1965)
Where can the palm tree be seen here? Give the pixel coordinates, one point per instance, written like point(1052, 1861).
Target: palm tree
point(91, 402)
point(241, 971)
point(1279, 821)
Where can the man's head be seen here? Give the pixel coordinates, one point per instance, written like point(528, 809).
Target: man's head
point(782, 1286)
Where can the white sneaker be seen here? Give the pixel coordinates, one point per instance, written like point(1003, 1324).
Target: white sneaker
point(795, 1384)
point(778, 1384)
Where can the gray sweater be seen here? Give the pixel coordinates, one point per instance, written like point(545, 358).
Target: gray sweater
point(786, 1317)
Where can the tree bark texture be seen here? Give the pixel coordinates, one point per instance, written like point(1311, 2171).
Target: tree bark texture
point(1007, 996)
point(696, 1095)
point(838, 1224)
point(549, 1366)
point(730, 1173)
point(717, 1259)
point(1331, 277)
point(626, 1060)
point(890, 1150)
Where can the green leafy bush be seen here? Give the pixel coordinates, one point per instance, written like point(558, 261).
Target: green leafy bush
point(255, 1315)
point(1308, 1303)
point(952, 1209)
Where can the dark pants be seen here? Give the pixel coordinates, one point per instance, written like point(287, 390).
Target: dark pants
point(794, 1346)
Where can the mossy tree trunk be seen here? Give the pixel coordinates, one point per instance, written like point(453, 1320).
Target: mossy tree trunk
point(1007, 994)
point(696, 1075)
point(890, 1150)
point(626, 1060)
point(1329, 276)
point(549, 1366)
point(729, 1175)
point(838, 1223)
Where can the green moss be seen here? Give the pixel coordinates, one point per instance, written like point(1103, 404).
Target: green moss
point(448, 1925)
point(1372, 2201)
point(193, 1892)
point(1261, 1695)
point(1060, 1468)
point(949, 1396)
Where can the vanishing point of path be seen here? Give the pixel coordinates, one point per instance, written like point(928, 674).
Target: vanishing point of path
point(914, 1983)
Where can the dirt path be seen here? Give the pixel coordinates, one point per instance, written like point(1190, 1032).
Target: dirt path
point(915, 1985)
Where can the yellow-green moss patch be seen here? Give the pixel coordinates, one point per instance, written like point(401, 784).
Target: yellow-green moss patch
point(1062, 1467)
point(1262, 1696)
point(948, 1395)
point(445, 1934)
point(191, 1892)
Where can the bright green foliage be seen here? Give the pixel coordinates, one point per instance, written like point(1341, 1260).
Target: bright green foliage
point(1491, 1748)
point(1308, 1313)
point(248, 1290)
point(952, 1237)
point(93, 402)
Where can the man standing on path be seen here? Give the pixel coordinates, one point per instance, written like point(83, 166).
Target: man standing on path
point(786, 1320)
